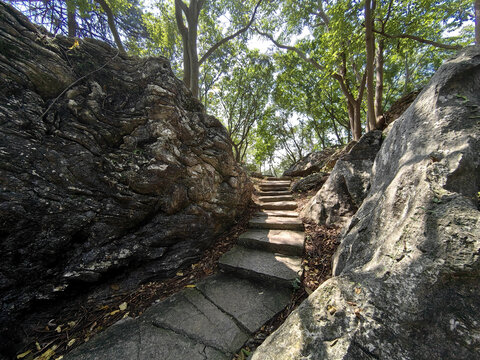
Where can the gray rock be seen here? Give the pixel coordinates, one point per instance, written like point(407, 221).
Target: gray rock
point(310, 182)
point(347, 186)
point(407, 271)
point(311, 163)
point(123, 173)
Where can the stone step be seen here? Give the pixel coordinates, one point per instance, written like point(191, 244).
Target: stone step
point(275, 183)
point(262, 265)
point(270, 188)
point(286, 242)
point(275, 198)
point(273, 193)
point(281, 213)
point(276, 223)
point(279, 205)
point(282, 178)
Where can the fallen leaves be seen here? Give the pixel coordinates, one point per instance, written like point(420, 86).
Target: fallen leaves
point(22, 355)
point(71, 342)
point(331, 309)
point(79, 321)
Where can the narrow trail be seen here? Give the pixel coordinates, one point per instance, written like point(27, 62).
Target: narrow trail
point(213, 319)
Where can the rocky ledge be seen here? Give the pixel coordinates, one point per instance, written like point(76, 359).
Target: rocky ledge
point(108, 164)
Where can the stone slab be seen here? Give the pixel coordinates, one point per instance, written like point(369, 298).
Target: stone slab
point(276, 222)
point(281, 213)
point(280, 241)
point(273, 193)
point(189, 313)
point(279, 205)
point(270, 178)
point(276, 182)
point(262, 265)
point(134, 339)
point(251, 303)
point(273, 198)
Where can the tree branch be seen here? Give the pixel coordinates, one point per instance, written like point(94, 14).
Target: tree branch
point(230, 37)
point(179, 7)
point(292, 48)
point(419, 39)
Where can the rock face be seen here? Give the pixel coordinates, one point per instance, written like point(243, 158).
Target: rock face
point(347, 186)
point(407, 271)
point(312, 181)
point(311, 163)
point(107, 163)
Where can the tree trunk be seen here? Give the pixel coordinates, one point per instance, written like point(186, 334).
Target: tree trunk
point(111, 25)
point(71, 19)
point(370, 47)
point(337, 134)
point(407, 76)
point(357, 121)
point(379, 62)
point(191, 62)
point(477, 22)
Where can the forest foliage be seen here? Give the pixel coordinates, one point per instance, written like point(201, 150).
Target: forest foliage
point(285, 77)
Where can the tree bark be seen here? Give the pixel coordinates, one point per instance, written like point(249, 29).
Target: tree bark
point(379, 62)
point(111, 25)
point(370, 48)
point(477, 22)
point(407, 76)
point(189, 33)
point(71, 19)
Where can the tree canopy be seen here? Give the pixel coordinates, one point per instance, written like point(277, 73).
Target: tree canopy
point(285, 77)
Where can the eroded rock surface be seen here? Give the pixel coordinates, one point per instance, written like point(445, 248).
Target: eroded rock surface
point(407, 271)
point(107, 163)
point(347, 186)
point(311, 163)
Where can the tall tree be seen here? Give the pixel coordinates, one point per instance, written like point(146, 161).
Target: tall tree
point(477, 22)
point(187, 17)
point(111, 24)
point(107, 20)
point(370, 60)
point(242, 97)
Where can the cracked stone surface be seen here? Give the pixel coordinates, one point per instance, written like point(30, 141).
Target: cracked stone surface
point(191, 314)
point(210, 322)
point(264, 265)
point(134, 339)
point(252, 304)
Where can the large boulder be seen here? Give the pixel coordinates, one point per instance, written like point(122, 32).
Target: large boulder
point(310, 182)
point(108, 164)
point(406, 279)
point(311, 163)
point(347, 186)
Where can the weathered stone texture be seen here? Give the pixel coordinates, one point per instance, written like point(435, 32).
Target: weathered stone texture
point(347, 186)
point(407, 271)
point(122, 170)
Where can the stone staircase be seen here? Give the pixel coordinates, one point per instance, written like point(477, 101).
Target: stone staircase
point(272, 247)
point(215, 317)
